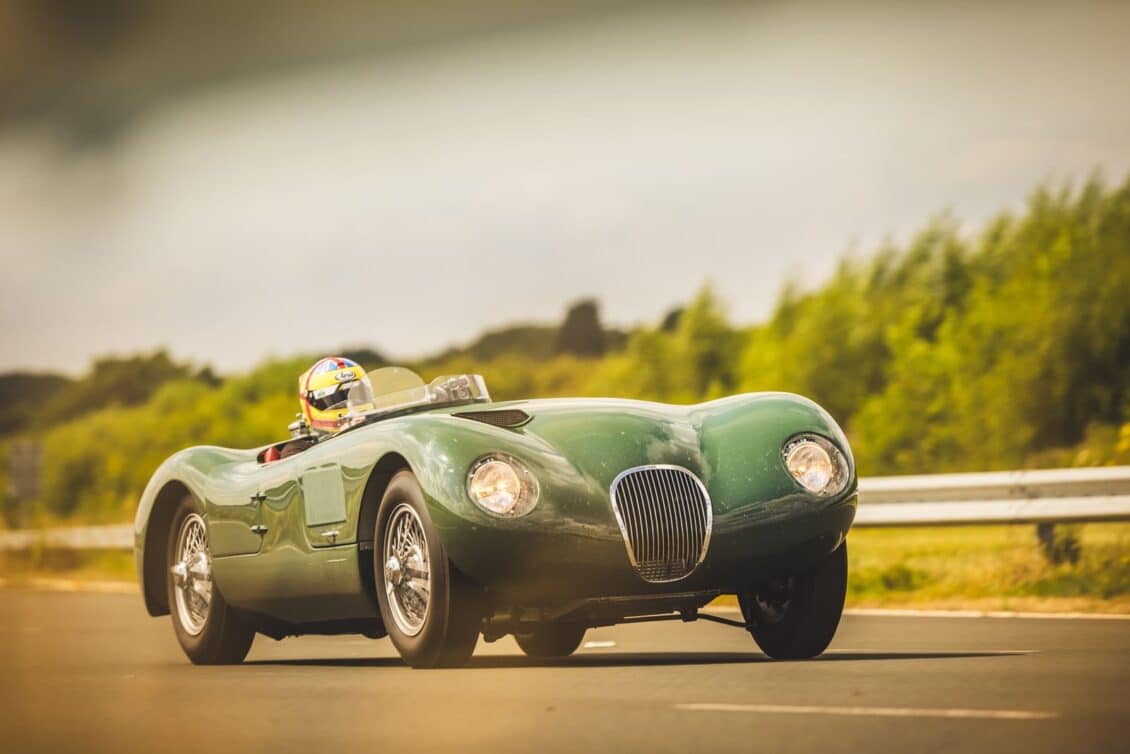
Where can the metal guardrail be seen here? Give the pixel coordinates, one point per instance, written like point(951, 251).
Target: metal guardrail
point(999, 497)
point(112, 537)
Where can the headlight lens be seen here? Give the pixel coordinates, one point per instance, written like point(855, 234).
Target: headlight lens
point(816, 464)
point(502, 486)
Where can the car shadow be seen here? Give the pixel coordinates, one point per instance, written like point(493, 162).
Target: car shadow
point(333, 662)
point(628, 659)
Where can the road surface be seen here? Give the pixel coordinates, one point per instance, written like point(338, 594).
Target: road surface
point(93, 673)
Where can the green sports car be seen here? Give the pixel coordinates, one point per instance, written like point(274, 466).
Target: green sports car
point(437, 516)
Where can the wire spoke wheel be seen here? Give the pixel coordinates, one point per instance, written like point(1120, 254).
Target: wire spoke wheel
point(796, 617)
point(192, 575)
point(407, 570)
point(432, 612)
point(771, 603)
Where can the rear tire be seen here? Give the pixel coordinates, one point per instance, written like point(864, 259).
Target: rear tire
point(795, 618)
point(552, 640)
point(432, 612)
point(209, 630)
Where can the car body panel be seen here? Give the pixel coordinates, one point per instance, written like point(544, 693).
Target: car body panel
point(568, 547)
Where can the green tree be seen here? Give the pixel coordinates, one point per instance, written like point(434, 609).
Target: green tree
point(581, 333)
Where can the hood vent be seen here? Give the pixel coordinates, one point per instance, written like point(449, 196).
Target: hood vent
point(508, 417)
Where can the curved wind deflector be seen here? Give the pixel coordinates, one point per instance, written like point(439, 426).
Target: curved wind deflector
point(507, 417)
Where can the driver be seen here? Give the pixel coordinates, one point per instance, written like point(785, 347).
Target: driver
point(332, 392)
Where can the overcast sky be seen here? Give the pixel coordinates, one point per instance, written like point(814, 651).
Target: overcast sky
point(409, 202)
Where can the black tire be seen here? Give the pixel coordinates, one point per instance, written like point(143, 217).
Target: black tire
point(552, 640)
point(796, 618)
point(450, 629)
point(226, 635)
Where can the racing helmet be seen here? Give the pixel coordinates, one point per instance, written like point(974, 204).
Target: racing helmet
point(334, 392)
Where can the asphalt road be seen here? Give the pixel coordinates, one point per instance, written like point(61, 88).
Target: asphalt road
point(93, 673)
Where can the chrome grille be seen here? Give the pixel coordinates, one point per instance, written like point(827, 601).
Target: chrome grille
point(664, 514)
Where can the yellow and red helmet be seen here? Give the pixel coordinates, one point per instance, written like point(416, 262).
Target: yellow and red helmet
point(333, 391)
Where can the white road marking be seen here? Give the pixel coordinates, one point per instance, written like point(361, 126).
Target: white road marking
point(909, 613)
point(939, 653)
point(885, 612)
point(801, 709)
point(599, 644)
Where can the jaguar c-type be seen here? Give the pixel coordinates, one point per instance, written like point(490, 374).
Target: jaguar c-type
point(437, 516)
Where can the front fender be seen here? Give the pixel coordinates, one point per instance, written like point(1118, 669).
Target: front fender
point(184, 473)
point(742, 438)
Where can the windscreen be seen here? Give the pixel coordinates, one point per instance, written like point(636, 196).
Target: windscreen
point(396, 388)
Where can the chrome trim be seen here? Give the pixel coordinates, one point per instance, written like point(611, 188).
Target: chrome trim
point(531, 489)
point(667, 525)
point(192, 575)
point(839, 481)
point(407, 559)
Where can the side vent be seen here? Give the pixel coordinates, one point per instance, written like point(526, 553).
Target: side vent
point(509, 417)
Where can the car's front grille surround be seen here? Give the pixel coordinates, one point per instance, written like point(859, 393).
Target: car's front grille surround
point(665, 515)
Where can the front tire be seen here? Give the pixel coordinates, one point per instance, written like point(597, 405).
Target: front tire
point(552, 640)
point(209, 631)
point(795, 618)
point(432, 613)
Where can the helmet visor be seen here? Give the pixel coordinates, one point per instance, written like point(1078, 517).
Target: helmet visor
point(350, 395)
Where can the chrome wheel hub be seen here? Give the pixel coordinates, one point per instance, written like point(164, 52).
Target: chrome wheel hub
point(407, 574)
point(772, 602)
point(192, 575)
point(394, 574)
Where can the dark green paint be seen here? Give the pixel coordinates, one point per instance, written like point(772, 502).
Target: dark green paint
point(569, 546)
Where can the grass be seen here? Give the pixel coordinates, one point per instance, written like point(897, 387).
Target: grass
point(989, 567)
point(78, 565)
point(983, 568)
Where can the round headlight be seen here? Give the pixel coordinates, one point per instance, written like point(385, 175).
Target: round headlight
point(816, 464)
point(502, 486)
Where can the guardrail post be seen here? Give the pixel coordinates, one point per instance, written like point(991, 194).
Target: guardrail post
point(24, 465)
point(1060, 544)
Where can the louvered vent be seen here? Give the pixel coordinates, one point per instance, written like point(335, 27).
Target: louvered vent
point(665, 516)
point(508, 417)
